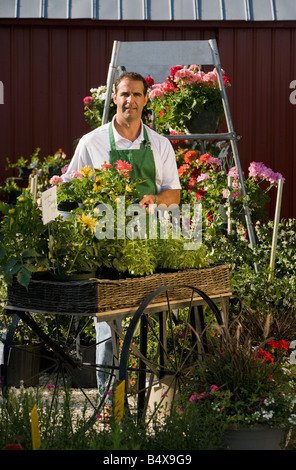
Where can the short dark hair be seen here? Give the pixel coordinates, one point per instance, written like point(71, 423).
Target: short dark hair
point(132, 76)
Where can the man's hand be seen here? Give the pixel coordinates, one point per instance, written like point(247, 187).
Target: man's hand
point(166, 198)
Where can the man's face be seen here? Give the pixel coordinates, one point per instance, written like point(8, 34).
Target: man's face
point(130, 99)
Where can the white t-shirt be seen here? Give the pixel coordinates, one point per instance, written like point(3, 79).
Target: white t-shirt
point(93, 149)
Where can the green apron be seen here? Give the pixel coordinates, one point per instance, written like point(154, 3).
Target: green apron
point(142, 161)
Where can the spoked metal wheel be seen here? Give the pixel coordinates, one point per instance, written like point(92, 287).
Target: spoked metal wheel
point(57, 359)
point(162, 343)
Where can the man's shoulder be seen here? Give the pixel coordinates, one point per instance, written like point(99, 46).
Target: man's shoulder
point(95, 134)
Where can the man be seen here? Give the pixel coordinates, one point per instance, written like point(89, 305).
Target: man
point(151, 156)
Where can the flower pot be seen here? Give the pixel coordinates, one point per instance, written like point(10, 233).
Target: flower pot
point(256, 438)
point(204, 123)
point(85, 377)
point(79, 276)
point(24, 172)
point(162, 391)
point(23, 365)
point(67, 206)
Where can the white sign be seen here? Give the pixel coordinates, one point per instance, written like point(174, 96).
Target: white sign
point(49, 204)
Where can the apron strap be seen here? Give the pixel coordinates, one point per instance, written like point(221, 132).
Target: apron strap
point(144, 144)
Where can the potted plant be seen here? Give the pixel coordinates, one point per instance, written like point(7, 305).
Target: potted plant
point(251, 388)
point(24, 240)
point(25, 166)
point(206, 181)
point(188, 94)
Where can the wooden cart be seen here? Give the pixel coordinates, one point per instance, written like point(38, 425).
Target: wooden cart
point(161, 334)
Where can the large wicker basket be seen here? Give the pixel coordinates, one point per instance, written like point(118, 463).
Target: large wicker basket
point(132, 292)
point(99, 295)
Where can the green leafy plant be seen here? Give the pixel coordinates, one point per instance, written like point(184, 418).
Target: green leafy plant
point(24, 245)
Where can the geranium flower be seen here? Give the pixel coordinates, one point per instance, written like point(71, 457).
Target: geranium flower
point(123, 167)
point(87, 99)
point(56, 180)
point(106, 166)
point(149, 81)
point(190, 156)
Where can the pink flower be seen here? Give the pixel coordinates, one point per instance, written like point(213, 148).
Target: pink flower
point(76, 174)
point(202, 395)
point(192, 398)
point(225, 193)
point(156, 92)
point(214, 388)
point(64, 169)
point(202, 177)
point(87, 99)
point(236, 194)
point(123, 167)
point(55, 180)
point(261, 171)
point(215, 161)
point(233, 172)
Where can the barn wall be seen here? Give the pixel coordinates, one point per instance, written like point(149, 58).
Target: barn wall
point(48, 66)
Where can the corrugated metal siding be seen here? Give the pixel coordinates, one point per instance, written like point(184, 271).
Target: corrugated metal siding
point(48, 67)
point(249, 10)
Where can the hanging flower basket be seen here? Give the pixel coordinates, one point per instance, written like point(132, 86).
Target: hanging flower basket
point(204, 123)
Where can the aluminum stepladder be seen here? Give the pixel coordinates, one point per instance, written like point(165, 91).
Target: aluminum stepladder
point(155, 58)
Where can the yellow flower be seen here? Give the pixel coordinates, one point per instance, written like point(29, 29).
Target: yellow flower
point(127, 188)
point(88, 222)
point(11, 211)
point(86, 171)
point(21, 199)
point(98, 184)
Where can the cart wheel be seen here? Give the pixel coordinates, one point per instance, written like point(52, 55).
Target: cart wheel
point(56, 359)
point(161, 346)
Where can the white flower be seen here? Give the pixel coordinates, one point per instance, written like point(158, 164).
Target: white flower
point(267, 414)
point(292, 419)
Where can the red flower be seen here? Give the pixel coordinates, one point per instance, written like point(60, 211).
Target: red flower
point(175, 69)
point(204, 158)
point(282, 344)
point(264, 355)
point(105, 166)
point(123, 167)
point(13, 447)
point(183, 170)
point(190, 156)
point(150, 81)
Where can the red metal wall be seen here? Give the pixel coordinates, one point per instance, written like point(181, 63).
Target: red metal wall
point(48, 66)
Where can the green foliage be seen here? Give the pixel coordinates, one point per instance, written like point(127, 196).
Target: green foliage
point(24, 247)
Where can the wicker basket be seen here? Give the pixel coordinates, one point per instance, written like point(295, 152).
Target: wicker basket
point(99, 295)
point(60, 297)
point(131, 292)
